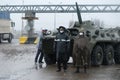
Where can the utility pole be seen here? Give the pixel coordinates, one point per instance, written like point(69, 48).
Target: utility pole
point(22, 20)
point(54, 21)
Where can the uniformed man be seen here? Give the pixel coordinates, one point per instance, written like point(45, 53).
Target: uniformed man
point(80, 51)
point(61, 43)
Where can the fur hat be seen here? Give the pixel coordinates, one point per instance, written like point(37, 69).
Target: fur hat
point(61, 27)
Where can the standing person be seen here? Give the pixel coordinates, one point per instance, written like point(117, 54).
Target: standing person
point(39, 57)
point(80, 51)
point(61, 43)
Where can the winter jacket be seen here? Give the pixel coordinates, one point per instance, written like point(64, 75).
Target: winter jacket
point(62, 45)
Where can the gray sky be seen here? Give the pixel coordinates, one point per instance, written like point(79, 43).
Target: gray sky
point(47, 20)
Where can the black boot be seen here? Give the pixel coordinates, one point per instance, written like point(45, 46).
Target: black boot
point(40, 65)
point(58, 66)
point(58, 70)
point(85, 68)
point(77, 70)
point(65, 70)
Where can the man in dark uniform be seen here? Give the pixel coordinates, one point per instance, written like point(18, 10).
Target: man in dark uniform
point(61, 47)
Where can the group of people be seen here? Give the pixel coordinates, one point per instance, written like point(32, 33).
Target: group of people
point(80, 50)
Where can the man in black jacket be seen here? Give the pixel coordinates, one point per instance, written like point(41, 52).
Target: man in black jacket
point(61, 47)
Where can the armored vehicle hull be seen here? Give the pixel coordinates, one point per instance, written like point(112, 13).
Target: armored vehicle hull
point(103, 43)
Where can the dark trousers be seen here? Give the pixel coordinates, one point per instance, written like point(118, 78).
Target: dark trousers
point(38, 55)
point(62, 60)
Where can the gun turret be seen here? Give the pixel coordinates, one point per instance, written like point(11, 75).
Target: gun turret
point(78, 14)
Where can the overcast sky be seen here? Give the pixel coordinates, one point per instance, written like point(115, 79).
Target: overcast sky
point(47, 20)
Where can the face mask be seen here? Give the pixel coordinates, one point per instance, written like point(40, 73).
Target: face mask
point(80, 34)
point(61, 31)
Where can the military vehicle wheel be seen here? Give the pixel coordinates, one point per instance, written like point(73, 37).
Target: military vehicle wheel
point(108, 55)
point(117, 55)
point(50, 59)
point(97, 56)
point(68, 59)
point(10, 38)
point(0, 38)
point(47, 59)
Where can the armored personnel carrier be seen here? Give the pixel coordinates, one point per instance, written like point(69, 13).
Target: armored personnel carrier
point(104, 43)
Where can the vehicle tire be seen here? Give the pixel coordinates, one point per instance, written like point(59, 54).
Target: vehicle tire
point(50, 59)
point(10, 38)
point(68, 58)
point(108, 55)
point(97, 56)
point(53, 58)
point(117, 55)
point(0, 39)
point(47, 59)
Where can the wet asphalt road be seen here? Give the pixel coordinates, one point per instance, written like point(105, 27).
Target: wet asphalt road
point(17, 63)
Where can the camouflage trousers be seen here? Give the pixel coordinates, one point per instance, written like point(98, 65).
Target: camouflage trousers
point(80, 58)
